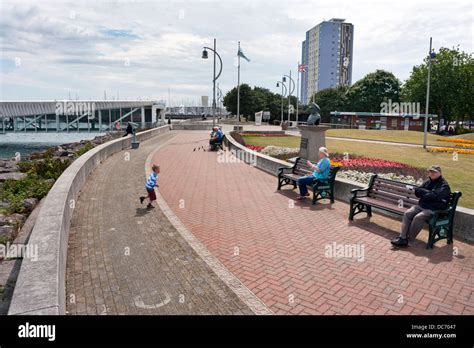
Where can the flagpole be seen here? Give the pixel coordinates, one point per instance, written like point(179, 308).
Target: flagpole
point(297, 90)
point(289, 99)
point(238, 90)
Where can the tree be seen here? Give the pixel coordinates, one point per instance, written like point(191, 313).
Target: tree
point(368, 93)
point(246, 100)
point(331, 99)
point(451, 87)
point(255, 100)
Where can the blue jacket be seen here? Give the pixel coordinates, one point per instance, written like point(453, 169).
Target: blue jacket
point(324, 165)
point(219, 134)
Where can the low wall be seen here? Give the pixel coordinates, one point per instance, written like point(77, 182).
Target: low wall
point(463, 221)
point(41, 283)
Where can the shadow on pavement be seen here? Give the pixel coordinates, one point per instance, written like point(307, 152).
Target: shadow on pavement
point(142, 211)
point(307, 202)
point(441, 252)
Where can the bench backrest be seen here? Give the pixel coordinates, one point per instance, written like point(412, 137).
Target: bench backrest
point(393, 192)
point(301, 168)
point(454, 198)
point(397, 193)
point(332, 174)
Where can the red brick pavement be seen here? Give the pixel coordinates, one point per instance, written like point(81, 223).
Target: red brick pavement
point(278, 250)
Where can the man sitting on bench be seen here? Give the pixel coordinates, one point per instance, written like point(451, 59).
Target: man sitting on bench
point(321, 173)
point(216, 137)
point(434, 195)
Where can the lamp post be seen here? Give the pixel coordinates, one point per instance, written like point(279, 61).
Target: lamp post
point(205, 56)
point(291, 89)
point(431, 55)
point(282, 96)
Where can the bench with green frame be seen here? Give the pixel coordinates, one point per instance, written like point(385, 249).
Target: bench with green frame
point(321, 189)
point(397, 197)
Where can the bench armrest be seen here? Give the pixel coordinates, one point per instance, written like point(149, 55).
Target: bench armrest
point(437, 213)
point(445, 211)
point(355, 192)
point(282, 169)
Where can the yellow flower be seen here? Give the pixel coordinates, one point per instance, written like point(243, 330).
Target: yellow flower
point(465, 141)
point(450, 149)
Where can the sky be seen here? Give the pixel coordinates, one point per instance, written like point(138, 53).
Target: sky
point(143, 49)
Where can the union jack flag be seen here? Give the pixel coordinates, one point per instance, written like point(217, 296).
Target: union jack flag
point(302, 68)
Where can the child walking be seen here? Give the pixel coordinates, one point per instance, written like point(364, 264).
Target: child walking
point(150, 186)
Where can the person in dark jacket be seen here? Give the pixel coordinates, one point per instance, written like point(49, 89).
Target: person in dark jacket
point(129, 130)
point(434, 195)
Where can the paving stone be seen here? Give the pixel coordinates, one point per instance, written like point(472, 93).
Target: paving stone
point(106, 279)
point(281, 246)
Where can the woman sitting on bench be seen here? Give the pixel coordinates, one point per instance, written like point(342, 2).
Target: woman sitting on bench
point(321, 173)
point(216, 137)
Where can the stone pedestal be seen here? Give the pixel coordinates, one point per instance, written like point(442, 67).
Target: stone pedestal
point(312, 138)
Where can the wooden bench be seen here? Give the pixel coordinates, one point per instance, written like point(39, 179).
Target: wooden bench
point(217, 145)
point(321, 190)
point(396, 197)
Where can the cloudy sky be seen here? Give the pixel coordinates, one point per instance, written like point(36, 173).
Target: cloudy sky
point(143, 49)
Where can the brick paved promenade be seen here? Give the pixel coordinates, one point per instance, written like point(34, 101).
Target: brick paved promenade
point(275, 247)
point(278, 250)
point(123, 259)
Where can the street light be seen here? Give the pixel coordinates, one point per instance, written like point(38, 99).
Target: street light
point(205, 55)
point(282, 95)
point(291, 90)
point(431, 55)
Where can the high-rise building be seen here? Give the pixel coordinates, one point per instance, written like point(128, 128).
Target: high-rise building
point(327, 51)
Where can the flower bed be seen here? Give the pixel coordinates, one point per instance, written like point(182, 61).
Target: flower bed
point(254, 147)
point(360, 169)
point(364, 177)
point(451, 149)
point(464, 141)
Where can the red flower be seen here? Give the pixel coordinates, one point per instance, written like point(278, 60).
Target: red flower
point(255, 147)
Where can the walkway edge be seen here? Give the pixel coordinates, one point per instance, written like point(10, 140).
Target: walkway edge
point(243, 293)
point(41, 284)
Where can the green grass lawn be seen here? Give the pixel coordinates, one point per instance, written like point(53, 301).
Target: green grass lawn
point(458, 173)
point(289, 141)
point(410, 137)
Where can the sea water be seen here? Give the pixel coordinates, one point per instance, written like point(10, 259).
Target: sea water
point(27, 143)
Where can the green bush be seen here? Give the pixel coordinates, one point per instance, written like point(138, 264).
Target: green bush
point(88, 146)
point(462, 130)
point(15, 191)
point(48, 168)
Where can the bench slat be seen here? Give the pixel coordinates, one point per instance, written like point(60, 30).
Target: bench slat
point(391, 188)
point(394, 201)
point(389, 182)
point(396, 195)
point(381, 204)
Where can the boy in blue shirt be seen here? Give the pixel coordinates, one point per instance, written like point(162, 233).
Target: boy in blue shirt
point(321, 173)
point(150, 186)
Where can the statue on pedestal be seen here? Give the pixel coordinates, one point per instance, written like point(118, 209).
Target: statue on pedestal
point(314, 118)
